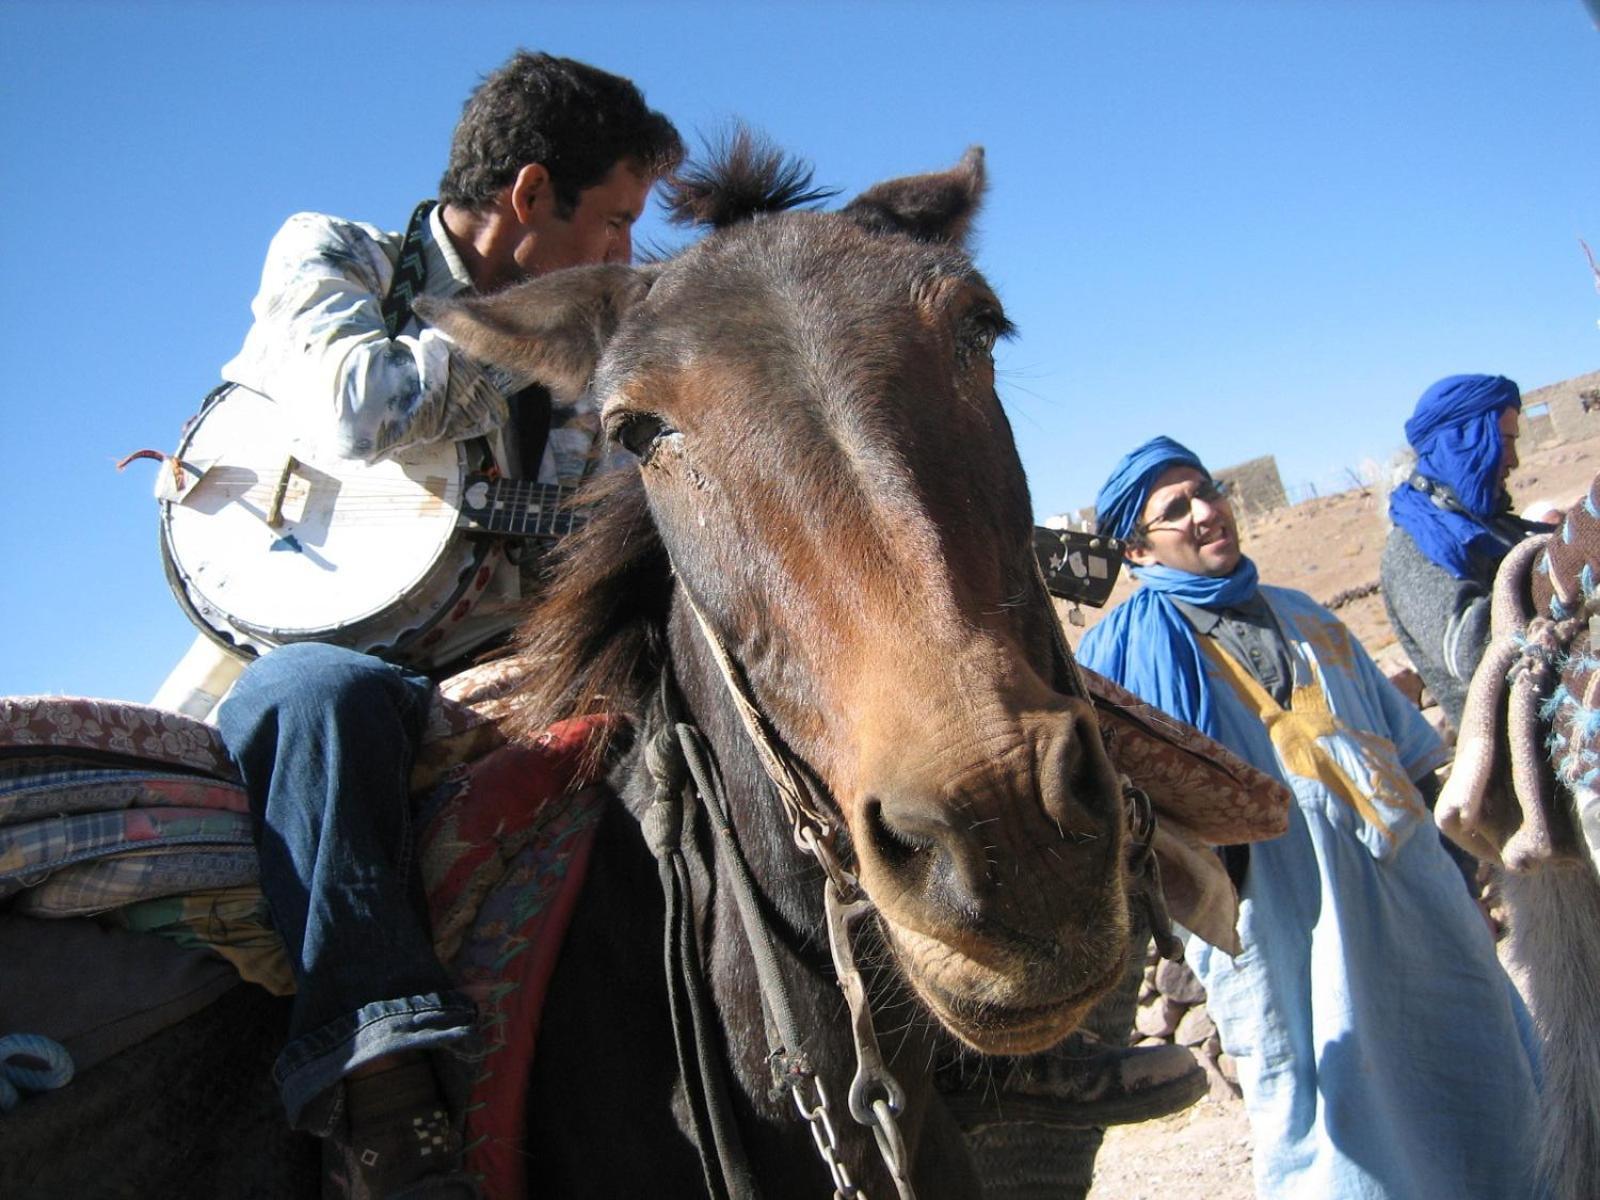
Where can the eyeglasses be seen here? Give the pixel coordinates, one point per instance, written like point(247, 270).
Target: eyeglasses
point(1181, 508)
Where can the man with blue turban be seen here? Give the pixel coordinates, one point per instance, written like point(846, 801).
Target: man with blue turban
point(1452, 526)
point(1381, 1049)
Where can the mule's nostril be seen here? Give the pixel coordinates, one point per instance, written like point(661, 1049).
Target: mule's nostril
point(916, 842)
point(1077, 774)
point(897, 845)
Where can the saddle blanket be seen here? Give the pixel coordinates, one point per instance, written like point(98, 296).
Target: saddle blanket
point(136, 813)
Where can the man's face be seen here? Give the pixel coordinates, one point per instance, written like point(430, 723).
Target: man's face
point(599, 230)
point(1508, 446)
point(1184, 531)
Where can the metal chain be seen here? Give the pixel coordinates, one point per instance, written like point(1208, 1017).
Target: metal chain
point(816, 1114)
point(885, 1130)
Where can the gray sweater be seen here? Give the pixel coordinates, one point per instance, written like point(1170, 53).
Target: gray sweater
point(1442, 622)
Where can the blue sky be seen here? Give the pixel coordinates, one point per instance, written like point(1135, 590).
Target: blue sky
point(1262, 228)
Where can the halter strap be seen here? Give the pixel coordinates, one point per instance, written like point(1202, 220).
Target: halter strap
point(813, 829)
point(876, 1098)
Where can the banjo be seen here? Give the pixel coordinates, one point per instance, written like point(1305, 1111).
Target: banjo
point(266, 539)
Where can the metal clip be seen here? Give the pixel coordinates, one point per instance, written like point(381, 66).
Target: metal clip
point(876, 1097)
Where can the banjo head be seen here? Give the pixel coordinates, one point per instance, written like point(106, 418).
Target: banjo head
point(270, 539)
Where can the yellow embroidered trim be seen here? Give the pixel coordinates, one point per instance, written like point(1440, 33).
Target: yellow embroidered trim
point(1295, 734)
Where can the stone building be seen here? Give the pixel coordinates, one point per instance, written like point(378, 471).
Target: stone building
point(1562, 412)
point(1255, 487)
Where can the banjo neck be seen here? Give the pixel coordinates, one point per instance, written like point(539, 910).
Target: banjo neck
point(517, 507)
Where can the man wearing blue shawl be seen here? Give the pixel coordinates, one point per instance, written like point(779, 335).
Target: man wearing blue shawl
point(1452, 526)
point(1381, 1049)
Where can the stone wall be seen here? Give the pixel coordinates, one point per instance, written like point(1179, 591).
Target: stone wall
point(1563, 412)
point(1080, 519)
point(1172, 1010)
point(1254, 486)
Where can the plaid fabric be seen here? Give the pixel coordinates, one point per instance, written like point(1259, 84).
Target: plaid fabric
point(503, 858)
point(68, 788)
point(32, 851)
point(87, 888)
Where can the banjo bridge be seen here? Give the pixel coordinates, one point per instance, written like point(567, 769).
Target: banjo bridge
point(275, 505)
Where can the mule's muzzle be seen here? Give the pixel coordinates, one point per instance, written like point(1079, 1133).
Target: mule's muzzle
point(1017, 1004)
point(1004, 894)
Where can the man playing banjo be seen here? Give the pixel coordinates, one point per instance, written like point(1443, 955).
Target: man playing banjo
point(550, 166)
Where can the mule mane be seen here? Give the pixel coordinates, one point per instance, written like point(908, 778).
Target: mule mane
point(596, 638)
point(743, 177)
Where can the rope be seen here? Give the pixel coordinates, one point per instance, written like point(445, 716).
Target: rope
point(1350, 594)
point(31, 1062)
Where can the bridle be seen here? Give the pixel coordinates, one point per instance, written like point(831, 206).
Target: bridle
point(684, 775)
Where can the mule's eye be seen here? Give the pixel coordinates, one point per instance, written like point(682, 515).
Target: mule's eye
point(638, 432)
point(981, 329)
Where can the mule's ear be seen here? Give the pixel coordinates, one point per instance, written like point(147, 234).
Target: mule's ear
point(931, 208)
point(549, 330)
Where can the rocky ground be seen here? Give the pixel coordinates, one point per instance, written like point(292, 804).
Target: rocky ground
point(1329, 548)
point(1202, 1153)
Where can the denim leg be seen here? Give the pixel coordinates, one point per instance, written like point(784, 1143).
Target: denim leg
point(324, 738)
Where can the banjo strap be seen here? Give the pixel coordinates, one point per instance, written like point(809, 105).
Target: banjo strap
point(410, 272)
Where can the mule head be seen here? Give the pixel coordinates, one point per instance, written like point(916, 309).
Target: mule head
point(811, 400)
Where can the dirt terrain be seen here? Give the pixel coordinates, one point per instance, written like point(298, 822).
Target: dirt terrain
point(1324, 547)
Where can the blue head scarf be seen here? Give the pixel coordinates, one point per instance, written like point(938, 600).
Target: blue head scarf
point(1167, 669)
point(1122, 497)
point(1455, 431)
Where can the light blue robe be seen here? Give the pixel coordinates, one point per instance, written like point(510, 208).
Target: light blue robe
point(1381, 1048)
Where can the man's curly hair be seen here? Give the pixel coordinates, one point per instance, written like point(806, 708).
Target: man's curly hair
point(576, 120)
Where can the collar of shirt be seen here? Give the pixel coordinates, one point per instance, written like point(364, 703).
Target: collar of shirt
point(1205, 620)
point(446, 273)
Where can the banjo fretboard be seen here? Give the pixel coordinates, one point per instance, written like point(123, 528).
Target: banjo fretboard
point(519, 508)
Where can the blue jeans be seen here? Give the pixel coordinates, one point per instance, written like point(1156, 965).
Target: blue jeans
point(325, 738)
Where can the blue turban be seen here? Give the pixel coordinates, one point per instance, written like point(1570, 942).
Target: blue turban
point(1122, 497)
point(1455, 431)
